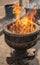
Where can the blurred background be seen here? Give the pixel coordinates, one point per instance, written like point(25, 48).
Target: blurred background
point(25, 3)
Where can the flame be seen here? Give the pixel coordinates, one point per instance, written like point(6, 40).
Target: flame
point(16, 10)
point(25, 24)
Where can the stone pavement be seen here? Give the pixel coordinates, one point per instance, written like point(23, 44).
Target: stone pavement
point(4, 51)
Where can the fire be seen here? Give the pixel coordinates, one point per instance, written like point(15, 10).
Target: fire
point(25, 24)
point(16, 10)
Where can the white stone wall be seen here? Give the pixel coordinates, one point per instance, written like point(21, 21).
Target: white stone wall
point(2, 12)
point(4, 2)
point(25, 2)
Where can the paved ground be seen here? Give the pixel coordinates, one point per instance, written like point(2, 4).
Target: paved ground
point(4, 51)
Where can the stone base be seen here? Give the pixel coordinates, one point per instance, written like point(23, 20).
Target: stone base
point(21, 57)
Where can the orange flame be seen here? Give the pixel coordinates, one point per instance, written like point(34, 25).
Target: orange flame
point(24, 25)
point(16, 10)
